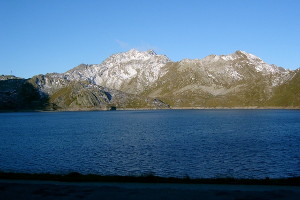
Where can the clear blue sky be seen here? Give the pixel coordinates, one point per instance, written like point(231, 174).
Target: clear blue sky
point(39, 36)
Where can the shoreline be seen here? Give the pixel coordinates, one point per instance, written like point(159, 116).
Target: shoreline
point(171, 108)
point(147, 178)
point(43, 189)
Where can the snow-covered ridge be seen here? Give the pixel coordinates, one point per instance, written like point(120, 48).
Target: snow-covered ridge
point(231, 66)
point(258, 63)
point(133, 55)
point(131, 71)
point(234, 56)
point(230, 57)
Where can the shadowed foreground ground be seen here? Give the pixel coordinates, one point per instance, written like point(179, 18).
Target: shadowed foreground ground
point(26, 189)
point(78, 186)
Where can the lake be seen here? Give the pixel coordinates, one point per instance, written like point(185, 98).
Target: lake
point(168, 143)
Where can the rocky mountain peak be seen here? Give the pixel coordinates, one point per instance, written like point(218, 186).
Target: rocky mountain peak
point(135, 55)
point(151, 52)
point(249, 56)
point(129, 71)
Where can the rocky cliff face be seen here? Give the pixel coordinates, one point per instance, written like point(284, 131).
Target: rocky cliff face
point(137, 79)
point(81, 95)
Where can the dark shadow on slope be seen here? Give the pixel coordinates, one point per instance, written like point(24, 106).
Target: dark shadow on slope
point(108, 95)
point(21, 95)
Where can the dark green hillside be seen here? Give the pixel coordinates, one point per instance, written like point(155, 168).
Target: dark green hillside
point(20, 94)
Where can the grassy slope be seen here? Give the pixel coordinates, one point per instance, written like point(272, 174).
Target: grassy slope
point(250, 92)
point(287, 94)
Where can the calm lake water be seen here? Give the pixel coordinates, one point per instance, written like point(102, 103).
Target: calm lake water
point(169, 143)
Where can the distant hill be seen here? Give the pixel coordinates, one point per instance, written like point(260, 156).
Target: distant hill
point(136, 80)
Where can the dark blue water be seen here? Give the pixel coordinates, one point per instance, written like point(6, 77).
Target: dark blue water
point(169, 143)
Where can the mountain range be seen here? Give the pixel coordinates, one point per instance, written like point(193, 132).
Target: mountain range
point(145, 80)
